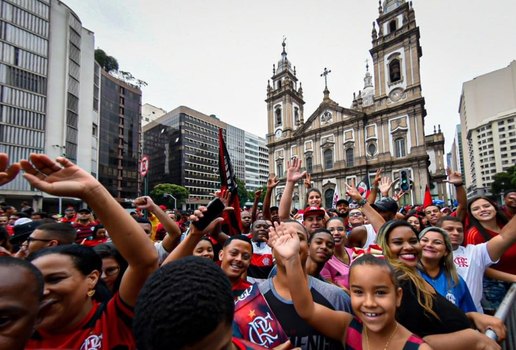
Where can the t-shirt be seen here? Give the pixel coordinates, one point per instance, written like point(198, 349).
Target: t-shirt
point(507, 262)
point(457, 294)
point(354, 337)
point(299, 332)
point(371, 236)
point(261, 261)
point(336, 271)
point(107, 326)
point(84, 231)
point(471, 262)
point(413, 317)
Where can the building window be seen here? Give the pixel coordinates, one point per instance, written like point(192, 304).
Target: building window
point(279, 169)
point(399, 147)
point(328, 198)
point(328, 159)
point(349, 157)
point(392, 26)
point(277, 113)
point(296, 116)
point(371, 149)
point(395, 70)
point(309, 165)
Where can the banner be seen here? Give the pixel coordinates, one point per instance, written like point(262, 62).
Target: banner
point(228, 183)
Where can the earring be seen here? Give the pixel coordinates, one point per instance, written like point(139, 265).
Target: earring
point(90, 293)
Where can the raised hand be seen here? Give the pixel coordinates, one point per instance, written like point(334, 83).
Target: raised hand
point(272, 181)
point(60, 177)
point(284, 240)
point(377, 177)
point(398, 195)
point(144, 202)
point(352, 192)
point(196, 216)
point(454, 177)
point(293, 173)
point(258, 194)
point(308, 181)
point(7, 174)
point(385, 185)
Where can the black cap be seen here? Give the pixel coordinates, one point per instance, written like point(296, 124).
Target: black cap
point(342, 201)
point(84, 210)
point(23, 231)
point(386, 204)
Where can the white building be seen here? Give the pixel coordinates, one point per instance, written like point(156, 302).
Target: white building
point(150, 113)
point(488, 112)
point(256, 162)
point(49, 84)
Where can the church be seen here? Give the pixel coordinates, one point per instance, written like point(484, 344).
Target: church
point(383, 127)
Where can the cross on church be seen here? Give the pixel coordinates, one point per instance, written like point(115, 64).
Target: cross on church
point(325, 74)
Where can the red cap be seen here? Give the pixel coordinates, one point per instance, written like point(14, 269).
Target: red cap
point(314, 211)
point(163, 207)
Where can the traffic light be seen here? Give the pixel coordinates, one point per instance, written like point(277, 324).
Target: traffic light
point(404, 181)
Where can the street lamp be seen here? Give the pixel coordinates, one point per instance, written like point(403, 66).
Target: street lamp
point(171, 196)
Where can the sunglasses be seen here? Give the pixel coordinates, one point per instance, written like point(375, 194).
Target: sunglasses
point(33, 239)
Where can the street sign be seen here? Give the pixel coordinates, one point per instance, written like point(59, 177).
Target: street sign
point(144, 166)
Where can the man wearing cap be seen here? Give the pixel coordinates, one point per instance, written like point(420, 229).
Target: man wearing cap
point(342, 208)
point(314, 219)
point(387, 208)
point(84, 225)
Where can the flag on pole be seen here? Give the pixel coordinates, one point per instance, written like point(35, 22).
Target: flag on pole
point(363, 187)
point(428, 197)
point(228, 183)
point(335, 197)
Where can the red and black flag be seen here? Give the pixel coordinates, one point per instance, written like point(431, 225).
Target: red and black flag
point(228, 183)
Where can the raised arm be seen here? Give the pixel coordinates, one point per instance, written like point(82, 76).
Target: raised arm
point(285, 242)
point(254, 209)
point(374, 189)
point(375, 219)
point(455, 178)
point(63, 178)
point(173, 231)
point(7, 173)
point(293, 175)
point(497, 245)
point(272, 182)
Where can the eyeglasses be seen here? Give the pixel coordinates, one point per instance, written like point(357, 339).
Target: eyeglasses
point(340, 229)
point(33, 239)
point(111, 271)
point(356, 213)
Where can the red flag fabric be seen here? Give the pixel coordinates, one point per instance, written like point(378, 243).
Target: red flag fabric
point(228, 183)
point(363, 187)
point(428, 197)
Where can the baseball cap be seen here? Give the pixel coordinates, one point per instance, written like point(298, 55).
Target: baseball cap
point(314, 211)
point(386, 204)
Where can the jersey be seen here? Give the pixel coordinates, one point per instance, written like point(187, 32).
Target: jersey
point(300, 333)
point(84, 231)
point(507, 262)
point(354, 337)
point(471, 262)
point(261, 261)
point(457, 294)
point(107, 326)
point(336, 271)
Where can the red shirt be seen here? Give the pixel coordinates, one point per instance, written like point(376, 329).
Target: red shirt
point(105, 327)
point(84, 231)
point(507, 262)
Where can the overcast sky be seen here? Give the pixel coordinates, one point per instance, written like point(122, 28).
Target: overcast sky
point(216, 56)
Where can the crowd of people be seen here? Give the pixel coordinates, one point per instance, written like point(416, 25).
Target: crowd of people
point(367, 274)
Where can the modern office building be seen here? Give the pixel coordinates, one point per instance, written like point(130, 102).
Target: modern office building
point(487, 111)
point(120, 137)
point(383, 128)
point(47, 101)
point(183, 149)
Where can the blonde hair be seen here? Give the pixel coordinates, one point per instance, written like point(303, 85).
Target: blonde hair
point(449, 266)
point(424, 297)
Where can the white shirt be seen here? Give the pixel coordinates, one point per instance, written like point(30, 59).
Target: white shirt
point(471, 263)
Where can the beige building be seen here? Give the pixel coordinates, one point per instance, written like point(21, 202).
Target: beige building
point(487, 112)
point(383, 128)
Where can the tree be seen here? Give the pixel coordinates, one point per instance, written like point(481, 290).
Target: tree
point(159, 194)
point(504, 181)
point(108, 63)
point(242, 192)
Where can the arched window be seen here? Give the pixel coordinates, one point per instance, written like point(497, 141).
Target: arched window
point(395, 70)
point(328, 198)
point(277, 113)
point(399, 147)
point(328, 159)
point(392, 26)
point(308, 162)
point(371, 149)
point(349, 157)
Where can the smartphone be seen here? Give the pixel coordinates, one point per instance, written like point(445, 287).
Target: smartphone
point(214, 209)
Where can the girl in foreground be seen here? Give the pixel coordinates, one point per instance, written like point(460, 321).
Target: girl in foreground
point(374, 299)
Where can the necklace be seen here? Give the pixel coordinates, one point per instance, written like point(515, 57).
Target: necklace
point(388, 341)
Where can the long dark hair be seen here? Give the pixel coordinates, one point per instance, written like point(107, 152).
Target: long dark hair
point(501, 219)
point(84, 259)
point(108, 250)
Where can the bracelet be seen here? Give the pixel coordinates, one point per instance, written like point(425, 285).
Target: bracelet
point(362, 202)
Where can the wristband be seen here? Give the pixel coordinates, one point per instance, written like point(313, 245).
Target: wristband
point(362, 202)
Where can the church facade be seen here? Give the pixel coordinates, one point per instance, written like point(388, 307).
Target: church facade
point(383, 128)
